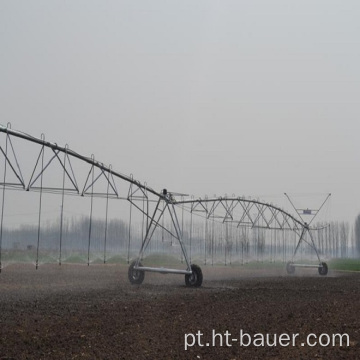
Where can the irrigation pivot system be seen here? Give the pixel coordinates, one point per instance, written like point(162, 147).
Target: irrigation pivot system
point(234, 212)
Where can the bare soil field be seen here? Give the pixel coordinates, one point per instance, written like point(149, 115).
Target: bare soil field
point(81, 312)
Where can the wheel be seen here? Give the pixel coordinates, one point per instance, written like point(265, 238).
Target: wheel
point(195, 279)
point(323, 269)
point(136, 277)
point(290, 268)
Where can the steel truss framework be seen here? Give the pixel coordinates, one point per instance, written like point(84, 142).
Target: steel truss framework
point(236, 211)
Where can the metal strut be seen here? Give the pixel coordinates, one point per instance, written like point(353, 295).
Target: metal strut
point(321, 266)
point(156, 217)
point(136, 273)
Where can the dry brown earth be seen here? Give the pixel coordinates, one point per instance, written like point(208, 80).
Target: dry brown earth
point(80, 312)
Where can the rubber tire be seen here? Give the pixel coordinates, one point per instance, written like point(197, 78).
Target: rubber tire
point(290, 268)
point(195, 279)
point(136, 277)
point(324, 269)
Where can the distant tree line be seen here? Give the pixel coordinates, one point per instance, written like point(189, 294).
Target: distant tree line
point(334, 240)
point(75, 234)
point(212, 241)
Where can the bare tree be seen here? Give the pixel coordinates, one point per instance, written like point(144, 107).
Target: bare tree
point(334, 234)
point(357, 234)
point(344, 237)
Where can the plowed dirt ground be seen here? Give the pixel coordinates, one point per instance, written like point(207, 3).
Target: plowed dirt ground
point(81, 312)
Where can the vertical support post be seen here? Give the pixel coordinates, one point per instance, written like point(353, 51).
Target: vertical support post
point(62, 208)
point(271, 241)
point(106, 216)
point(242, 252)
point(143, 219)
point(227, 250)
point(91, 211)
point(129, 234)
point(237, 242)
point(283, 238)
point(182, 227)
point(257, 243)
point(40, 202)
point(205, 238)
point(3, 202)
point(191, 228)
point(212, 240)
point(163, 231)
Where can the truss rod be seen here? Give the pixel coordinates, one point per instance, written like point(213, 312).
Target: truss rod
point(245, 203)
point(70, 152)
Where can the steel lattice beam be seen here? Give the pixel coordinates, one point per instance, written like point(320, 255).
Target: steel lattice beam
point(238, 211)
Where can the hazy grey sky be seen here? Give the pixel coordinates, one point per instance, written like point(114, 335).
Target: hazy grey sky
point(252, 98)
